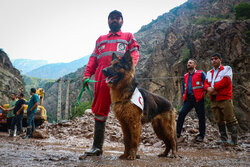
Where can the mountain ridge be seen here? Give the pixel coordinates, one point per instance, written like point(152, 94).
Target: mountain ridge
point(57, 70)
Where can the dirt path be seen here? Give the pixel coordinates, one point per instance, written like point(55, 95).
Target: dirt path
point(66, 152)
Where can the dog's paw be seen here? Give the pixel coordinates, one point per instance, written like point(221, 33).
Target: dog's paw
point(163, 155)
point(173, 156)
point(123, 156)
point(131, 157)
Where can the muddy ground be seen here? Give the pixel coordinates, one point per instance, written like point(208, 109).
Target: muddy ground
point(62, 144)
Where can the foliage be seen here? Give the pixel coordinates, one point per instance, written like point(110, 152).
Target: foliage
point(205, 20)
point(242, 11)
point(220, 16)
point(247, 38)
point(49, 117)
point(208, 109)
point(33, 82)
point(178, 108)
point(185, 55)
point(198, 34)
point(79, 110)
point(191, 6)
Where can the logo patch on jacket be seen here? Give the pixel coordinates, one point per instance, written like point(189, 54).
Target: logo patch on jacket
point(197, 83)
point(101, 48)
point(121, 47)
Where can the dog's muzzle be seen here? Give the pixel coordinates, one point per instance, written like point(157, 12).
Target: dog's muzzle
point(105, 72)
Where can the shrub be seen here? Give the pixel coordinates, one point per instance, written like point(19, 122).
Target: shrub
point(79, 110)
point(198, 34)
point(242, 11)
point(205, 20)
point(185, 55)
point(247, 38)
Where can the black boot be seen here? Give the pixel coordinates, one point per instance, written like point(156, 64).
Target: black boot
point(28, 133)
point(233, 129)
point(223, 134)
point(96, 149)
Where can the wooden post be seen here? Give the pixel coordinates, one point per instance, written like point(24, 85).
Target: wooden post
point(67, 102)
point(59, 100)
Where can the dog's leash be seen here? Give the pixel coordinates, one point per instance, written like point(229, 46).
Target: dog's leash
point(87, 86)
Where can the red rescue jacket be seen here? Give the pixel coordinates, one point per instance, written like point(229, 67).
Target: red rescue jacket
point(106, 45)
point(222, 83)
point(197, 85)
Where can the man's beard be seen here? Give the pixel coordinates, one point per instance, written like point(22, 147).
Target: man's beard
point(190, 68)
point(115, 28)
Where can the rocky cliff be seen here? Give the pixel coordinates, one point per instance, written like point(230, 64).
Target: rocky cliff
point(199, 29)
point(10, 79)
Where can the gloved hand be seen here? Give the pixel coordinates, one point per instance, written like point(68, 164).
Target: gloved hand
point(84, 78)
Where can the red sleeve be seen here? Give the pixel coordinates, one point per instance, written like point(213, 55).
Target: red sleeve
point(134, 48)
point(92, 64)
point(222, 83)
point(206, 85)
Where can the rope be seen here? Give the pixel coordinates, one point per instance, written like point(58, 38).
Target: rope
point(84, 85)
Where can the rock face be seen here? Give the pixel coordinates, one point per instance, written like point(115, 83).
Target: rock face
point(193, 34)
point(11, 80)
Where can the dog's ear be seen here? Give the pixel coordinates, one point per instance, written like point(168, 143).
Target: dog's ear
point(127, 57)
point(114, 57)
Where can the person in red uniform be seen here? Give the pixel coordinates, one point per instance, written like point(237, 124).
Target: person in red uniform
point(218, 84)
point(193, 97)
point(117, 42)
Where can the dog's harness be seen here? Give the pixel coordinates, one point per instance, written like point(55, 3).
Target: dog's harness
point(136, 99)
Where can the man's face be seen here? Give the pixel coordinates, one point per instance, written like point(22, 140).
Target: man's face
point(216, 61)
point(30, 93)
point(19, 96)
point(13, 96)
point(115, 22)
point(191, 65)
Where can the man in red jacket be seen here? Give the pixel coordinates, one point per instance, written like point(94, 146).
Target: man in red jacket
point(116, 42)
point(193, 97)
point(218, 84)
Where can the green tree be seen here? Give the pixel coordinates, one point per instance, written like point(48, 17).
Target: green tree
point(242, 11)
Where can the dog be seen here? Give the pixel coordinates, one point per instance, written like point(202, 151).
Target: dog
point(157, 110)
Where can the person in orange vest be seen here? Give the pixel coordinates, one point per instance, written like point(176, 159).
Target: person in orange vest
point(193, 97)
point(117, 42)
point(218, 84)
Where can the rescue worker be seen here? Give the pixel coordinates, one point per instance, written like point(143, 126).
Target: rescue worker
point(117, 42)
point(11, 114)
point(193, 97)
point(18, 111)
point(218, 84)
point(31, 112)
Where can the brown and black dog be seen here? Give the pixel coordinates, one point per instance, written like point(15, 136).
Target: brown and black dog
point(157, 110)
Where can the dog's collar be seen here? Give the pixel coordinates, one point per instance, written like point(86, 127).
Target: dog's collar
point(112, 104)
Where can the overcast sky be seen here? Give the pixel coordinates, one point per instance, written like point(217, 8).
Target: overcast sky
point(65, 30)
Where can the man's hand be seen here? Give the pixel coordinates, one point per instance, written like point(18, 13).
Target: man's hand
point(84, 78)
point(17, 113)
point(211, 91)
point(214, 92)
